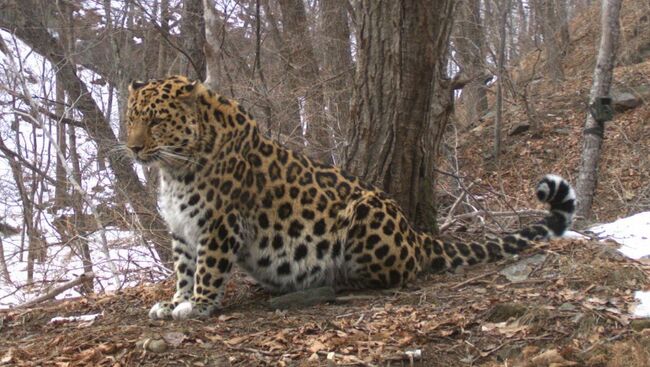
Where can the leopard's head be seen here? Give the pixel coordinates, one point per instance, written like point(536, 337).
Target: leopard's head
point(162, 121)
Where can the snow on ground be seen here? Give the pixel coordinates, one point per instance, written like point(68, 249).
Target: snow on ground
point(633, 233)
point(135, 264)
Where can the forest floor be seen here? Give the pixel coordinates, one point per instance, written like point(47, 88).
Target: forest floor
point(567, 303)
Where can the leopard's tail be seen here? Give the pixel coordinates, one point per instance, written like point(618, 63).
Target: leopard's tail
point(552, 189)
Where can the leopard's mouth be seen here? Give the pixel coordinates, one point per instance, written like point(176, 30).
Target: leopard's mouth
point(146, 158)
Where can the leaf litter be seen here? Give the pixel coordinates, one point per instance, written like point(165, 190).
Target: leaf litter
point(570, 311)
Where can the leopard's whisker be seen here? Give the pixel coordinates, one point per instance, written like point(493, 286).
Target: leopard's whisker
point(177, 156)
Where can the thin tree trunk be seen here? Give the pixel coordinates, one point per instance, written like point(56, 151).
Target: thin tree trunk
point(3, 264)
point(469, 45)
point(61, 187)
point(398, 73)
point(80, 224)
point(80, 227)
point(594, 130)
point(501, 60)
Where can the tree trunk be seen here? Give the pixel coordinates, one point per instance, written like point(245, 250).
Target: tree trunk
point(193, 35)
point(393, 136)
point(555, 33)
point(594, 130)
point(337, 67)
point(289, 119)
point(80, 228)
point(469, 45)
point(61, 187)
point(4, 270)
point(501, 61)
point(304, 76)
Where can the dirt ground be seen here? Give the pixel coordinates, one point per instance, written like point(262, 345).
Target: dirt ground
point(570, 310)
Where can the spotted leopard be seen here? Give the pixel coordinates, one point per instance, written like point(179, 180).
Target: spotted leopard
point(232, 196)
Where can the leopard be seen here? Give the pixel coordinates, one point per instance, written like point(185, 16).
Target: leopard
point(230, 196)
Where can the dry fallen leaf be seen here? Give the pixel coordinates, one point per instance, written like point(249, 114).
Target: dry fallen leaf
point(317, 346)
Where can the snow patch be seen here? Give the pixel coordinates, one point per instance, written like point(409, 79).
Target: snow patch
point(633, 233)
point(82, 318)
point(643, 308)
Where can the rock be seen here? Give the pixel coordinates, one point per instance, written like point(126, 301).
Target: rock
point(625, 101)
point(521, 270)
point(306, 298)
point(152, 345)
point(520, 128)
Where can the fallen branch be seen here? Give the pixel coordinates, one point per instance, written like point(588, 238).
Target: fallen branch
point(470, 280)
point(58, 290)
point(523, 213)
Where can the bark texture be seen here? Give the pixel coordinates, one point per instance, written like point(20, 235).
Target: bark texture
point(401, 103)
point(594, 131)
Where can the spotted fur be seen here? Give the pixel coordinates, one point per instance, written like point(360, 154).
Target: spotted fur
point(232, 196)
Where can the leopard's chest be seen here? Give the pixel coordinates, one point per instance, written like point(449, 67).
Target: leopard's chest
point(181, 207)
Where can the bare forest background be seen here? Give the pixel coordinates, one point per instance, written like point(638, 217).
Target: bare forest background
point(384, 89)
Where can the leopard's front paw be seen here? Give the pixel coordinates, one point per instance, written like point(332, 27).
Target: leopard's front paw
point(161, 311)
point(194, 310)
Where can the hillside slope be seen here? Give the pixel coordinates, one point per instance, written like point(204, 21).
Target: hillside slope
point(624, 178)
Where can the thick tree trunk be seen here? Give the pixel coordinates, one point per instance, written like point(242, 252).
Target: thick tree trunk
point(193, 34)
point(393, 136)
point(304, 74)
point(594, 130)
point(337, 66)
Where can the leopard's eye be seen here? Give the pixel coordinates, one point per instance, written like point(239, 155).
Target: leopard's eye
point(154, 121)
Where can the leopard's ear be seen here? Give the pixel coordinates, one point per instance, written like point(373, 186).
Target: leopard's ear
point(190, 87)
point(188, 91)
point(135, 85)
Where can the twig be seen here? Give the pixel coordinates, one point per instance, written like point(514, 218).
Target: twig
point(58, 290)
point(470, 280)
point(251, 350)
point(450, 220)
point(607, 340)
point(528, 213)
